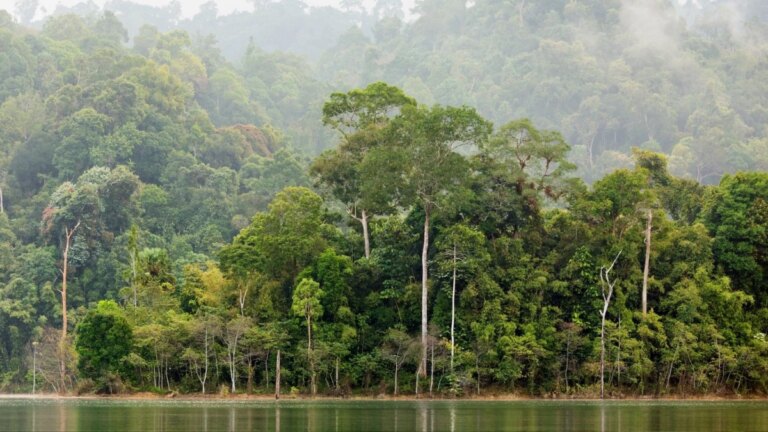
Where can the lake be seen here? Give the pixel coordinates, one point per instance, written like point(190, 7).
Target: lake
point(422, 416)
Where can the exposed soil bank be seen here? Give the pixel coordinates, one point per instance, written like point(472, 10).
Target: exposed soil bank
point(265, 397)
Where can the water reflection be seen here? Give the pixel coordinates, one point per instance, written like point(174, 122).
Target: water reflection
point(277, 417)
point(602, 418)
point(338, 416)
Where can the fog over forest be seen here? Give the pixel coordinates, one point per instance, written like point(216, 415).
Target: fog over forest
point(550, 197)
point(633, 74)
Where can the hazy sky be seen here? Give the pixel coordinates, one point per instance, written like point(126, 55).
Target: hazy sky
point(189, 7)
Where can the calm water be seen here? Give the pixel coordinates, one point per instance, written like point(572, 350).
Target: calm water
point(105, 415)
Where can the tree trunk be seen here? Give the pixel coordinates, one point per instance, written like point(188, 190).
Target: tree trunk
point(602, 356)
point(424, 297)
point(249, 383)
point(241, 294)
point(133, 250)
point(68, 234)
point(431, 368)
point(618, 358)
point(310, 357)
point(366, 236)
point(266, 371)
point(606, 283)
point(232, 371)
point(417, 383)
point(337, 376)
point(477, 371)
point(205, 373)
point(453, 306)
point(397, 368)
point(133, 281)
point(165, 370)
point(646, 268)
point(567, 359)
point(277, 376)
point(2, 207)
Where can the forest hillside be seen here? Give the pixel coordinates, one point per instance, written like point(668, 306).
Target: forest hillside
point(538, 203)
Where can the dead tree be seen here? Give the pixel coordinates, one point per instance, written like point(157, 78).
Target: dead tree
point(68, 234)
point(646, 268)
point(607, 290)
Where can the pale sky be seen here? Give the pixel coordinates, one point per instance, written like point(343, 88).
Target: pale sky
point(189, 7)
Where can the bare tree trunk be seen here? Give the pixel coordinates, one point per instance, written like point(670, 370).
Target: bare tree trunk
point(64, 269)
point(477, 371)
point(133, 250)
point(2, 207)
point(310, 357)
point(646, 268)
point(417, 383)
point(602, 355)
point(277, 376)
point(337, 375)
point(165, 369)
point(366, 236)
point(618, 357)
point(266, 371)
point(453, 307)
point(232, 369)
point(424, 297)
point(606, 283)
point(567, 359)
point(363, 219)
point(133, 281)
point(241, 294)
point(431, 368)
point(397, 369)
point(207, 363)
point(249, 383)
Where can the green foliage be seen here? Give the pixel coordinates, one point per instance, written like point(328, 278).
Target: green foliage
point(168, 156)
point(306, 299)
point(736, 213)
point(104, 340)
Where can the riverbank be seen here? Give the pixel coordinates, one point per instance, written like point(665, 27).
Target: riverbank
point(264, 397)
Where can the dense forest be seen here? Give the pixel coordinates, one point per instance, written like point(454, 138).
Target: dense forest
point(172, 220)
point(684, 78)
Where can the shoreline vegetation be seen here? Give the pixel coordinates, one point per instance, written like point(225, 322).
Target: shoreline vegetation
point(141, 396)
point(173, 221)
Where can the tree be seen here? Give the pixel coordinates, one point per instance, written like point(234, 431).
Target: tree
point(656, 166)
point(104, 339)
point(53, 215)
point(535, 159)
point(736, 214)
point(462, 248)
point(204, 330)
point(79, 134)
point(234, 330)
point(519, 169)
point(397, 347)
point(285, 239)
point(607, 288)
point(435, 171)
point(361, 116)
point(306, 303)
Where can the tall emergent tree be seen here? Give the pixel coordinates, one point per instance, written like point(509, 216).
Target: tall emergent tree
point(607, 288)
point(361, 116)
point(100, 202)
point(434, 171)
point(462, 249)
